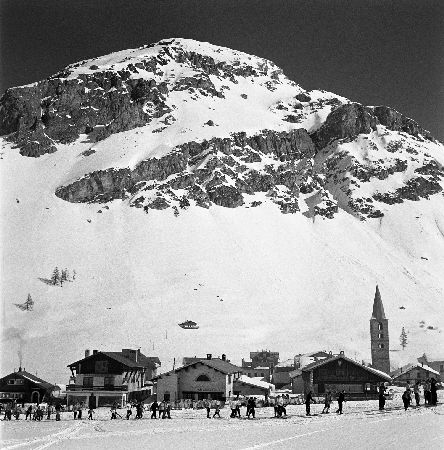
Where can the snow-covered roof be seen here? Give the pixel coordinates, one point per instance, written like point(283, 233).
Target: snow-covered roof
point(254, 381)
point(287, 363)
point(317, 364)
point(408, 367)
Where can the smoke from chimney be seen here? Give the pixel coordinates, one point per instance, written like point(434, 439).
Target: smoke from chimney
point(16, 334)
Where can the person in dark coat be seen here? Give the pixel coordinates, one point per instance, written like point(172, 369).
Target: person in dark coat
point(427, 392)
point(433, 394)
point(416, 392)
point(154, 407)
point(381, 397)
point(327, 402)
point(29, 413)
point(341, 400)
point(406, 398)
point(251, 405)
point(58, 408)
point(308, 400)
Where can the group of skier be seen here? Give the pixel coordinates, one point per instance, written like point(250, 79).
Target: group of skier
point(309, 399)
point(430, 394)
point(32, 412)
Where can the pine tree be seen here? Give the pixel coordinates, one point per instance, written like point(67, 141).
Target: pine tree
point(403, 339)
point(27, 306)
point(63, 276)
point(55, 278)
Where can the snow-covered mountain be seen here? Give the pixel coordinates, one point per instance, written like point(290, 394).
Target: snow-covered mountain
point(187, 181)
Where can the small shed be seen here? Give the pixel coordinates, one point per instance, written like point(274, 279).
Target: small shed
point(252, 386)
point(411, 373)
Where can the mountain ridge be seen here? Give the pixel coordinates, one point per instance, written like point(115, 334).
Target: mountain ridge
point(220, 171)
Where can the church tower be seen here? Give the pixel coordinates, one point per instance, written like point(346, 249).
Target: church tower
point(379, 336)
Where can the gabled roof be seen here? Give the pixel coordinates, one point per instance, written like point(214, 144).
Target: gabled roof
point(404, 369)
point(317, 364)
point(217, 364)
point(378, 309)
point(143, 362)
point(35, 379)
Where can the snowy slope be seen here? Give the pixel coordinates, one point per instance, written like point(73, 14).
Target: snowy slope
point(289, 282)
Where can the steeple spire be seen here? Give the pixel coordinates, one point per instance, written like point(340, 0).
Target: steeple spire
point(378, 309)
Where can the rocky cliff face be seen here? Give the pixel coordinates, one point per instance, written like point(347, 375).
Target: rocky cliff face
point(323, 154)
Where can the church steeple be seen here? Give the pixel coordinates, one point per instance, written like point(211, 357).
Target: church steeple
point(378, 309)
point(379, 335)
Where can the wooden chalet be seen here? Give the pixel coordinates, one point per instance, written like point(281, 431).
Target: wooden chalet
point(338, 373)
point(24, 387)
point(106, 378)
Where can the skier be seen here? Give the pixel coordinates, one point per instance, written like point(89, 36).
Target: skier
point(416, 392)
point(162, 409)
point(433, 394)
point(154, 407)
point(308, 400)
point(167, 410)
point(139, 410)
point(49, 412)
point(58, 408)
point(341, 400)
point(129, 411)
point(252, 406)
point(90, 414)
point(29, 413)
point(285, 401)
point(75, 408)
point(280, 405)
point(206, 405)
point(79, 411)
point(238, 406)
point(327, 403)
point(427, 392)
point(233, 408)
point(217, 410)
point(381, 397)
point(406, 398)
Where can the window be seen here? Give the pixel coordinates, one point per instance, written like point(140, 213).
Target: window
point(87, 381)
point(202, 377)
point(380, 335)
point(262, 374)
point(381, 345)
point(166, 396)
point(108, 381)
point(380, 327)
point(188, 395)
point(229, 378)
point(11, 381)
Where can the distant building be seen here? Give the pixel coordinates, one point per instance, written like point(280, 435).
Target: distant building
point(263, 373)
point(303, 359)
point(192, 359)
point(379, 336)
point(262, 358)
point(281, 374)
point(248, 386)
point(436, 364)
point(211, 378)
point(104, 378)
point(411, 373)
point(338, 373)
point(24, 387)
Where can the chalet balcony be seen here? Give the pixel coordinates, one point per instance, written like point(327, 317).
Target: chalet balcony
point(78, 387)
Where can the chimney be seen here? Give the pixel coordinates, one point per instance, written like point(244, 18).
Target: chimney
point(209, 355)
point(20, 368)
point(87, 353)
point(95, 352)
point(341, 352)
point(224, 357)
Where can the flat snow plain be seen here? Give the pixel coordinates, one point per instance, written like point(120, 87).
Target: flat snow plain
point(361, 426)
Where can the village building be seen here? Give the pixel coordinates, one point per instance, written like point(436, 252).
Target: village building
point(106, 378)
point(379, 336)
point(338, 373)
point(411, 373)
point(24, 387)
point(436, 364)
point(247, 386)
point(210, 378)
point(261, 365)
point(304, 359)
point(281, 374)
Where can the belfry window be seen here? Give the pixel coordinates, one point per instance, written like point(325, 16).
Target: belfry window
point(381, 345)
point(380, 335)
point(380, 326)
